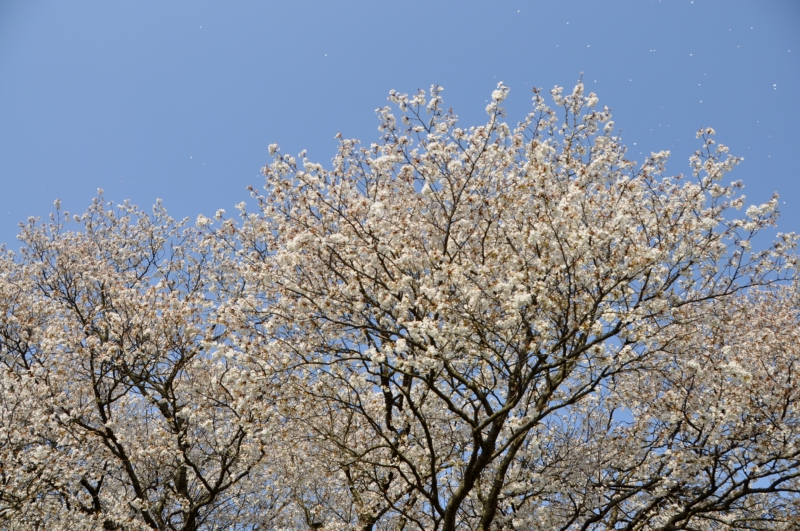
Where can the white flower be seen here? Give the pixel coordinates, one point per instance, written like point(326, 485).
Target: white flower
point(273, 148)
point(376, 209)
point(500, 93)
point(556, 93)
point(753, 211)
point(202, 221)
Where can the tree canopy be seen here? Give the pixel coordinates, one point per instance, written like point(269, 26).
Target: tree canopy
point(451, 328)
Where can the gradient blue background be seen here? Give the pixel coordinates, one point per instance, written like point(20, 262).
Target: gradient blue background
point(178, 100)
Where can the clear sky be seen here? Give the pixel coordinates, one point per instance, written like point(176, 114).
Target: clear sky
point(179, 99)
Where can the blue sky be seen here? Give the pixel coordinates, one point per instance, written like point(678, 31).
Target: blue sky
point(179, 100)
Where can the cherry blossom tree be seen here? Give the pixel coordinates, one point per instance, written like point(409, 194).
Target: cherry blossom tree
point(115, 415)
point(491, 328)
point(452, 328)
